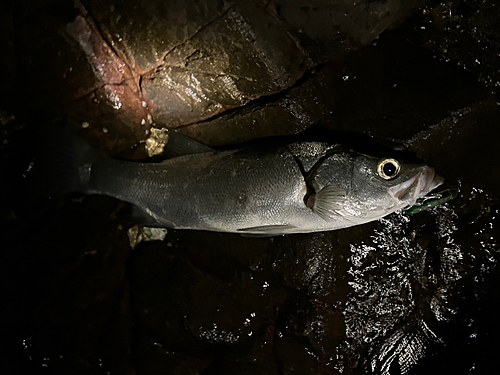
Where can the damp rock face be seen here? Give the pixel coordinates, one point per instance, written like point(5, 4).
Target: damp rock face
point(119, 67)
point(405, 295)
point(464, 34)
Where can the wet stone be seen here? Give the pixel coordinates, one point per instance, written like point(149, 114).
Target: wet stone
point(153, 359)
point(219, 321)
point(409, 278)
point(244, 55)
point(333, 29)
point(456, 139)
point(402, 91)
point(301, 107)
point(86, 81)
point(144, 33)
point(86, 278)
point(55, 69)
point(463, 33)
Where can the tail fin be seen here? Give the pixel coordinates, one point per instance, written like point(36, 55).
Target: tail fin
point(62, 163)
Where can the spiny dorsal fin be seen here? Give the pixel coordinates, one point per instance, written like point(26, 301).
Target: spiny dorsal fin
point(179, 145)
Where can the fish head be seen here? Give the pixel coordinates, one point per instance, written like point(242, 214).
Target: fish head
point(381, 186)
point(366, 188)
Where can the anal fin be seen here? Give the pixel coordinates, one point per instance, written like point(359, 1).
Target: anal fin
point(140, 216)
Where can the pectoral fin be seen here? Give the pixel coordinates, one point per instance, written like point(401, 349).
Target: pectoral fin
point(327, 203)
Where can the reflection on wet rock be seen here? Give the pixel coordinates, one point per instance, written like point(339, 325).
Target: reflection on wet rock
point(463, 33)
point(242, 56)
point(298, 108)
point(409, 277)
point(189, 62)
point(143, 33)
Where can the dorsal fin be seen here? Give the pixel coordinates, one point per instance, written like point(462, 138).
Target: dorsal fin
point(179, 144)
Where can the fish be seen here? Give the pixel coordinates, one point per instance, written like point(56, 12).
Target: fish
point(276, 189)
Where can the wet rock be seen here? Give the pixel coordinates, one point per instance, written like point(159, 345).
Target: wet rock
point(298, 358)
point(409, 279)
point(242, 56)
point(455, 142)
point(55, 69)
point(119, 67)
point(464, 33)
point(314, 265)
point(70, 69)
point(297, 109)
point(331, 30)
point(153, 359)
point(75, 295)
point(402, 91)
point(144, 33)
point(308, 334)
point(206, 315)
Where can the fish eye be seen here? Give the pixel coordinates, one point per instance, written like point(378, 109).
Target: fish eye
point(388, 168)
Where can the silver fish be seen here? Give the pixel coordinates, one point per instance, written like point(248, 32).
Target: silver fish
point(295, 188)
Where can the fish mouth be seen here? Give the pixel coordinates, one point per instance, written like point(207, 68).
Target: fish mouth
point(417, 186)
